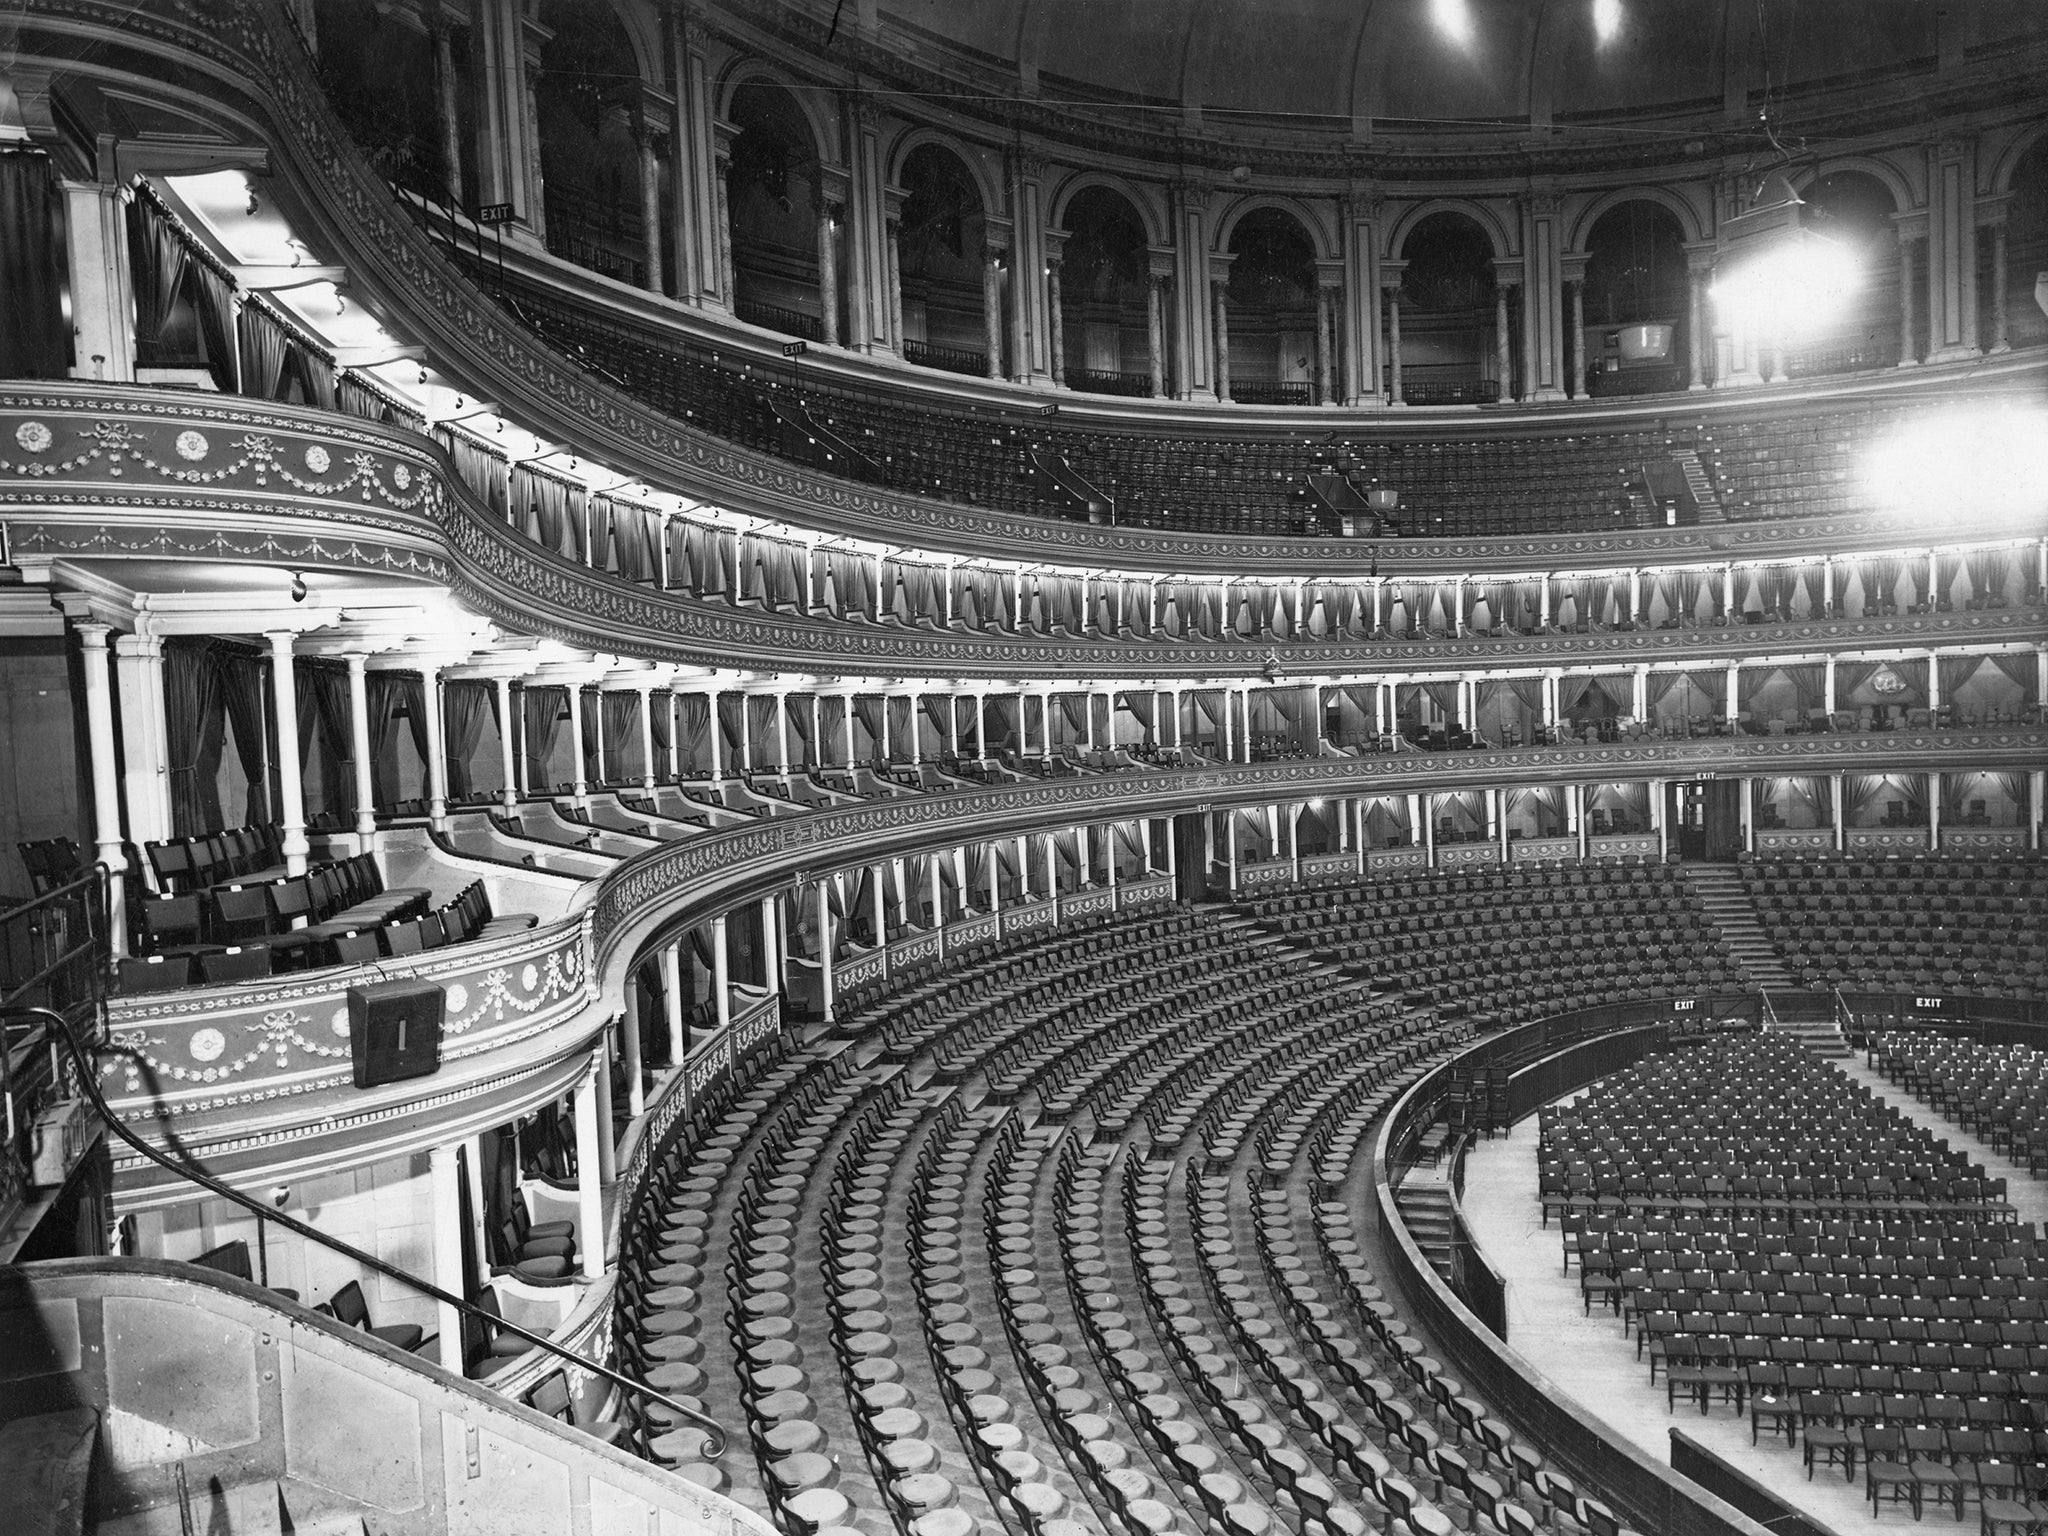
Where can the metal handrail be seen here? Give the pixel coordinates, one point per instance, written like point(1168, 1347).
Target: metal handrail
point(715, 1435)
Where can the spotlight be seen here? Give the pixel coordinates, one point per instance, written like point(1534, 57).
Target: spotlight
point(254, 206)
point(298, 587)
point(423, 373)
point(279, 1193)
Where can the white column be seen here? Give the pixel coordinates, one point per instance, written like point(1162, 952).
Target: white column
point(672, 1001)
point(1660, 823)
point(359, 744)
point(1828, 685)
point(746, 759)
point(782, 732)
point(1734, 689)
point(716, 733)
point(2034, 801)
point(825, 989)
point(981, 725)
point(1934, 811)
point(881, 904)
point(581, 784)
point(721, 975)
point(145, 763)
point(771, 944)
point(636, 1088)
point(291, 782)
point(1838, 787)
point(1429, 829)
point(509, 793)
point(106, 780)
point(437, 749)
point(445, 1180)
point(102, 292)
point(1229, 752)
point(1748, 814)
point(590, 1137)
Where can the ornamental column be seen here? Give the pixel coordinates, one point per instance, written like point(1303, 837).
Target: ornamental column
point(630, 1050)
point(1542, 296)
point(581, 784)
point(1909, 231)
point(825, 987)
point(508, 792)
point(1951, 228)
point(444, 1180)
point(829, 214)
point(447, 112)
point(1159, 270)
point(694, 165)
point(728, 284)
point(1029, 357)
point(291, 785)
point(1699, 274)
point(359, 748)
point(1329, 284)
point(1503, 344)
point(102, 289)
point(650, 123)
point(106, 779)
point(1055, 308)
point(647, 736)
point(1390, 280)
point(1194, 347)
point(672, 1001)
point(992, 308)
point(2001, 324)
point(1219, 291)
point(590, 1172)
point(437, 750)
point(145, 760)
point(1574, 269)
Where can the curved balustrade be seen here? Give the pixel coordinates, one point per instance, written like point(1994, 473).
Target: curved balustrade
point(256, 1080)
point(126, 473)
point(247, 59)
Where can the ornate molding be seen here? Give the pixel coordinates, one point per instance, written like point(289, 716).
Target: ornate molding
point(107, 480)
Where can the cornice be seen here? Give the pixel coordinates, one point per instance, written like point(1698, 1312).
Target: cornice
point(105, 473)
point(250, 55)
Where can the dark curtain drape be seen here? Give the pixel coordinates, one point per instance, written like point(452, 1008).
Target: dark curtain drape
point(33, 341)
point(463, 708)
point(867, 711)
point(728, 726)
point(242, 694)
point(542, 710)
point(661, 729)
point(590, 716)
point(157, 258)
point(693, 747)
point(387, 695)
point(322, 688)
point(621, 723)
point(214, 300)
point(266, 354)
point(191, 702)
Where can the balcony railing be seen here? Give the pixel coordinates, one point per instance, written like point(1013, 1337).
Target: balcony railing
point(1416, 391)
point(946, 359)
point(773, 317)
point(589, 251)
point(1662, 379)
point(1818, 362)
point(1109, 381)
point(1272, 392)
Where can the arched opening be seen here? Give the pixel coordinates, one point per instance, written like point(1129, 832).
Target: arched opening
point(1453, 351)
point(2026, 254)
point(1854, 210)
point(1272, 302)
point(939, 246)
point(1104, 271)
point(587, 98)
point(1637, 330)
point(774, 198)
point(379, 74)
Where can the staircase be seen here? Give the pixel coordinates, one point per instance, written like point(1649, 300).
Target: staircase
point(1727, 904)
point(1704, 496)
point(1424, 1203)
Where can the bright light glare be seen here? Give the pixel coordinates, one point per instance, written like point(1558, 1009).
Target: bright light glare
point(1606, 19)
point(1790, 291)
point(1967, 462)
point(1453, 18)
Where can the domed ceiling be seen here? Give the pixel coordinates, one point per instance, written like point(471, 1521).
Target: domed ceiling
point(1434, 63)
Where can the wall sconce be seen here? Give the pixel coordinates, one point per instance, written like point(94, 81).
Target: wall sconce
point(254, 206)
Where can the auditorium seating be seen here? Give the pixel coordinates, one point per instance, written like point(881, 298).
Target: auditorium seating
point(1494, 945)
point(1928, 923)
point(334, 914)
point(1782, 1242)
point(1499, 485)
point(931, 1261)
point(1998, 1093)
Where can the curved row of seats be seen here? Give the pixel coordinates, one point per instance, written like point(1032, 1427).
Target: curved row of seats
point(808, 1265)
point(1997, 1092)
point(1495, 945)
point(1856, 922)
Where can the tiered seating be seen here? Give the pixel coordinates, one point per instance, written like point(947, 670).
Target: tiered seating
point(1493, 945)
point(1770, 465)
point(824, 1216)
point(1857, 922)
point(1997, 1092)
point(334, 914)
point(1806, 1254)
point(185, 864)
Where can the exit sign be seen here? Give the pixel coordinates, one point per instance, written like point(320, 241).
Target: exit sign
point(494, 213)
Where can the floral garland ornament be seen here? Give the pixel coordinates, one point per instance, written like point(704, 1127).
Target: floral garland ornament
point(317, 459)
point(192, 446)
